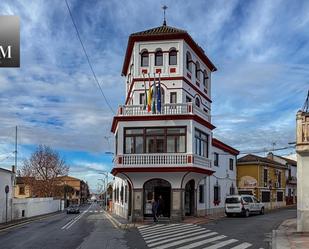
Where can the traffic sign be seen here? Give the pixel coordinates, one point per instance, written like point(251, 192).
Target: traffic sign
point(7, 189)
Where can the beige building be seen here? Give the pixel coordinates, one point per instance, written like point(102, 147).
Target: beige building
point(22, 190)
point(302, 150)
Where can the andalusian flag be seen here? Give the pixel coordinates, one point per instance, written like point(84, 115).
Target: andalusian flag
point(149, 97)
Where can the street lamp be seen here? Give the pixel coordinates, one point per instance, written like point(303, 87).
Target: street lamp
point(105, 173)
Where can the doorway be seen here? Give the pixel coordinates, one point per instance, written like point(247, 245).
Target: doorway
point(190, 198)
point(160, 190)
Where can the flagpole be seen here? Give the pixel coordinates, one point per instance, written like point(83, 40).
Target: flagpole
point(145, 99)
point(159, 95)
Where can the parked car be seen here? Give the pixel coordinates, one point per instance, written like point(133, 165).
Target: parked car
point(243, 205)
point(73, 209)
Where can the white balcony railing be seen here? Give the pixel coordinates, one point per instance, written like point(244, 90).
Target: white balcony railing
point(162, 160)
point(167, 109)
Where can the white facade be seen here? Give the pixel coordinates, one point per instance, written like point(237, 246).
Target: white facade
point(224, 178)
point(166, 154)
point(302, 150)
point(6, 179)
point(291, 176)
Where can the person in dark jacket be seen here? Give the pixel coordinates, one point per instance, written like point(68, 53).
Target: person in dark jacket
point(160, 206)
point(155, 210)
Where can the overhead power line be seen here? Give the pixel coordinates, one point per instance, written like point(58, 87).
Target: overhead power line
point(88, 60)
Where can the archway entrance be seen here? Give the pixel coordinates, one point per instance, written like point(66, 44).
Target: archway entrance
point(189, 198)
point(160, 190)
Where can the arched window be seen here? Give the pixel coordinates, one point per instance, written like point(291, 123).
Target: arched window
point(188, 61)
point(159, 58)
point(197, 102)
point(197, 71)
point(205, 79)
point(145, 59)
point(172, 57)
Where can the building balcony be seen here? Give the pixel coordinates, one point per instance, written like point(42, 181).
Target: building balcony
point(167, 109)
point(292, 180)
point(162, 160)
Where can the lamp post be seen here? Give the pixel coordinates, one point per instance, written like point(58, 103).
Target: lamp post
point(105, 173)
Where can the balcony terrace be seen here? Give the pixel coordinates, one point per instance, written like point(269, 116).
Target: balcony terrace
point(167, 109)
point(162, 160)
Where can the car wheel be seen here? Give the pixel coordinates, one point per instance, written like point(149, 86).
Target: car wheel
point(262, 211)
point(247, 213)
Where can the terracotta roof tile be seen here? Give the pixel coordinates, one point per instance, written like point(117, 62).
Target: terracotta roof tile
point(160, 30)
point(254, 158)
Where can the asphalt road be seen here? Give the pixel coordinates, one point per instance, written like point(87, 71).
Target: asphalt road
point(91, 230)
point(253, 232)
point(87, 230)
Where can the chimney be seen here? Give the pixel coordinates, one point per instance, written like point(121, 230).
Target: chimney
point(13, 169)
point(270, 156)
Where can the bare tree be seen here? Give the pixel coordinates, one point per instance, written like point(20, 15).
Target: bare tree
point(42, 169)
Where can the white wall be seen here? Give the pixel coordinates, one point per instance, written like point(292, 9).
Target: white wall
point(34, 206)
point(6, 178)
point(225, 178)
point(120, 207)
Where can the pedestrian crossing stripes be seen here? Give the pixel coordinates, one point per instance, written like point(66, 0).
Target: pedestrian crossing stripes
point(187, 236)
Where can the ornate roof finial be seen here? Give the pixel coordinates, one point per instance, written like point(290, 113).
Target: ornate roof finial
point(306, 105)
point(164, 7)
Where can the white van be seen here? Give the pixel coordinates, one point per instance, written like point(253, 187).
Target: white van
point(243, 204)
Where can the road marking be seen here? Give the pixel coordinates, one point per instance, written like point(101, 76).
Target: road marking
point(178, 231)
point(156, 227)
point(163, 230)
point(185, 240)
point(242, 246)
point(168, 235)
point(111, 221)
point(73, 221)
point(202, 242)
point(221, 244)
point(169, 239)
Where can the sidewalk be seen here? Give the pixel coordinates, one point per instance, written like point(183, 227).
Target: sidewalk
point(286, 236)
point(4, 226)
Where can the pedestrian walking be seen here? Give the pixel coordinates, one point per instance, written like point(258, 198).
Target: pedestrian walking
point(160, 206)
point(155, 210)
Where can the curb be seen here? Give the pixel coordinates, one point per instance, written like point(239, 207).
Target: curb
point(28, 220)
point(118, 224)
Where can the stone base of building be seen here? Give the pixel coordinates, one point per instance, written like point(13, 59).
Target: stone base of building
point(302, 220)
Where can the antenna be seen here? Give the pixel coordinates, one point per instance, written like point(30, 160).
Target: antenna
point(164, 7)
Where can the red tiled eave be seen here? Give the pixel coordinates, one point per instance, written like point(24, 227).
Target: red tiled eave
point(217, 143)
point(196, 118)
point(117, 170)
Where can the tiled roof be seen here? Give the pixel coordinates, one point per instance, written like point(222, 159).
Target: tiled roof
point(288, 160)
point(161, 30)
point(254, 158)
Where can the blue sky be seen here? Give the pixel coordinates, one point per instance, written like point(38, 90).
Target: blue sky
point(260, 48)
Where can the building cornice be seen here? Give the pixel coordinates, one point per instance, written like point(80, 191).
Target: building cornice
point(117, 170)
point(218, 144)
point(196, 118)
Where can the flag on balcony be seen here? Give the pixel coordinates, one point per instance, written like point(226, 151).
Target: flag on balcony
point(149, 97)
point(145, 98)
point(154, 95)
point(159, 97)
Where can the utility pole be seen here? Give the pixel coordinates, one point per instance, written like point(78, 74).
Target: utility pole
point(15, 149)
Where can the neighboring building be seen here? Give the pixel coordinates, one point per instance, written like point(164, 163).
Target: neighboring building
point(76, 190)
point(302, 150)
point(165, 149)
point(22, 189)
point(290, 175)
point(213, 189)
point(262, 177)
point(6, 179)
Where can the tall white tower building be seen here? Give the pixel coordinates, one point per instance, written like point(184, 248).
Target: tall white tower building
point(164, 151)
